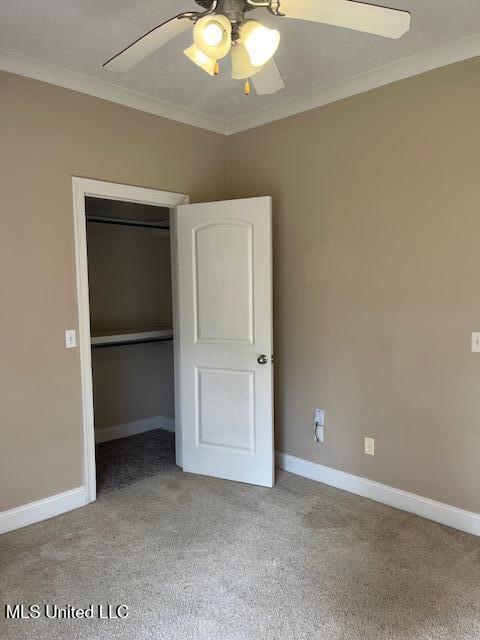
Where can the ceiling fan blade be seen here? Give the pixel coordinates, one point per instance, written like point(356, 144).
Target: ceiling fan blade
point(268, 80)
point(381, 21)
point(147, 44)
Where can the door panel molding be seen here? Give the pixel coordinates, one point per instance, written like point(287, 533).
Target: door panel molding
point(221, 281)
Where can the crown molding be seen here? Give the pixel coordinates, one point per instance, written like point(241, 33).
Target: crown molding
point(38, 70)
point(399, 70)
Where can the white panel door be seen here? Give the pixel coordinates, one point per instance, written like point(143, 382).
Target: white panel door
point(224, 323)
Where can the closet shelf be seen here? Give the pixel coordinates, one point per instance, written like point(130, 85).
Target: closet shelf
point(160, 224)
point(131, 336)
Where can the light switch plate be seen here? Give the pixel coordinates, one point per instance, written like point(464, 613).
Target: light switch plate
point(70, 338)
point(476, 342)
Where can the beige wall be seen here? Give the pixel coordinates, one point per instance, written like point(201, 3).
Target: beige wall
point(129, 277)
point(377, 262)
point(133, 382)
point(376, 227)
point(47, 135)
point(130, 287)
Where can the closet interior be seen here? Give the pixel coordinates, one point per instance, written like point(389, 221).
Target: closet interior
point(130, 290)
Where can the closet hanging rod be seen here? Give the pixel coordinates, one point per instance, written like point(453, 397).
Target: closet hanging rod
point(161, 224)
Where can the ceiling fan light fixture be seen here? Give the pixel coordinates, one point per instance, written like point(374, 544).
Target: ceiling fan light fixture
point(242, 68)
point(260, 42)
point(196, 55)
point(221, 28)
point(213, 35)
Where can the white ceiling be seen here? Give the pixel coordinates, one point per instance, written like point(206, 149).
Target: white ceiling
point(80, 35)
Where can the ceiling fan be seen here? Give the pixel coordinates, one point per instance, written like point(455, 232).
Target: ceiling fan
point(223, 29)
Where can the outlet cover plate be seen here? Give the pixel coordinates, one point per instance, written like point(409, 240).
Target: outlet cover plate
point(369, 446)
point(476, 342)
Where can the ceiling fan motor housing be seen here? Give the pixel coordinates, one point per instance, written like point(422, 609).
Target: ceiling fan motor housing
point(233, 9)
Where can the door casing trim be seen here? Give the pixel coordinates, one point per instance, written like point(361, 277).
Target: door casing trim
point(83, 187)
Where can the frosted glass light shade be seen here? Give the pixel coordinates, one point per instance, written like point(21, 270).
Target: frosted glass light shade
point(213, 36)
point(241, 65)
point(260, 42)
point(200, 59)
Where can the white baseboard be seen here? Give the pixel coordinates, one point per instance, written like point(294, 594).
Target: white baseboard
point(42, 509)
point(437, 511)
point(132, 428)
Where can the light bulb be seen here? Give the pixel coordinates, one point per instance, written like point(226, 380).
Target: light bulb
point(201, 60)
point(241, 65)
point(260, 42)
point(213, 35)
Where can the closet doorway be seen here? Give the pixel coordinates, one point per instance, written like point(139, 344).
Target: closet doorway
point(215, 302)
point(131, 334)
point(126, 325)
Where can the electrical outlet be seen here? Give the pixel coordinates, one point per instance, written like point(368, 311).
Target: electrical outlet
point(318, 424)
point(476, 342)
point(369, 446)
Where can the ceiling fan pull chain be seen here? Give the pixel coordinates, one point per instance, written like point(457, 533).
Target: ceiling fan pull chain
point(247, 87)
point(216, 69)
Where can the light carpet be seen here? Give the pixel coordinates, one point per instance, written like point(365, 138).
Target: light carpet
point(196, 558)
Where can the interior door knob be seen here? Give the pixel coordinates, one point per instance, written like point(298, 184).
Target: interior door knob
point(262, 359)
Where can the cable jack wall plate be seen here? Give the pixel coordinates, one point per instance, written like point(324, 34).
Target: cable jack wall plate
point(318, 424)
